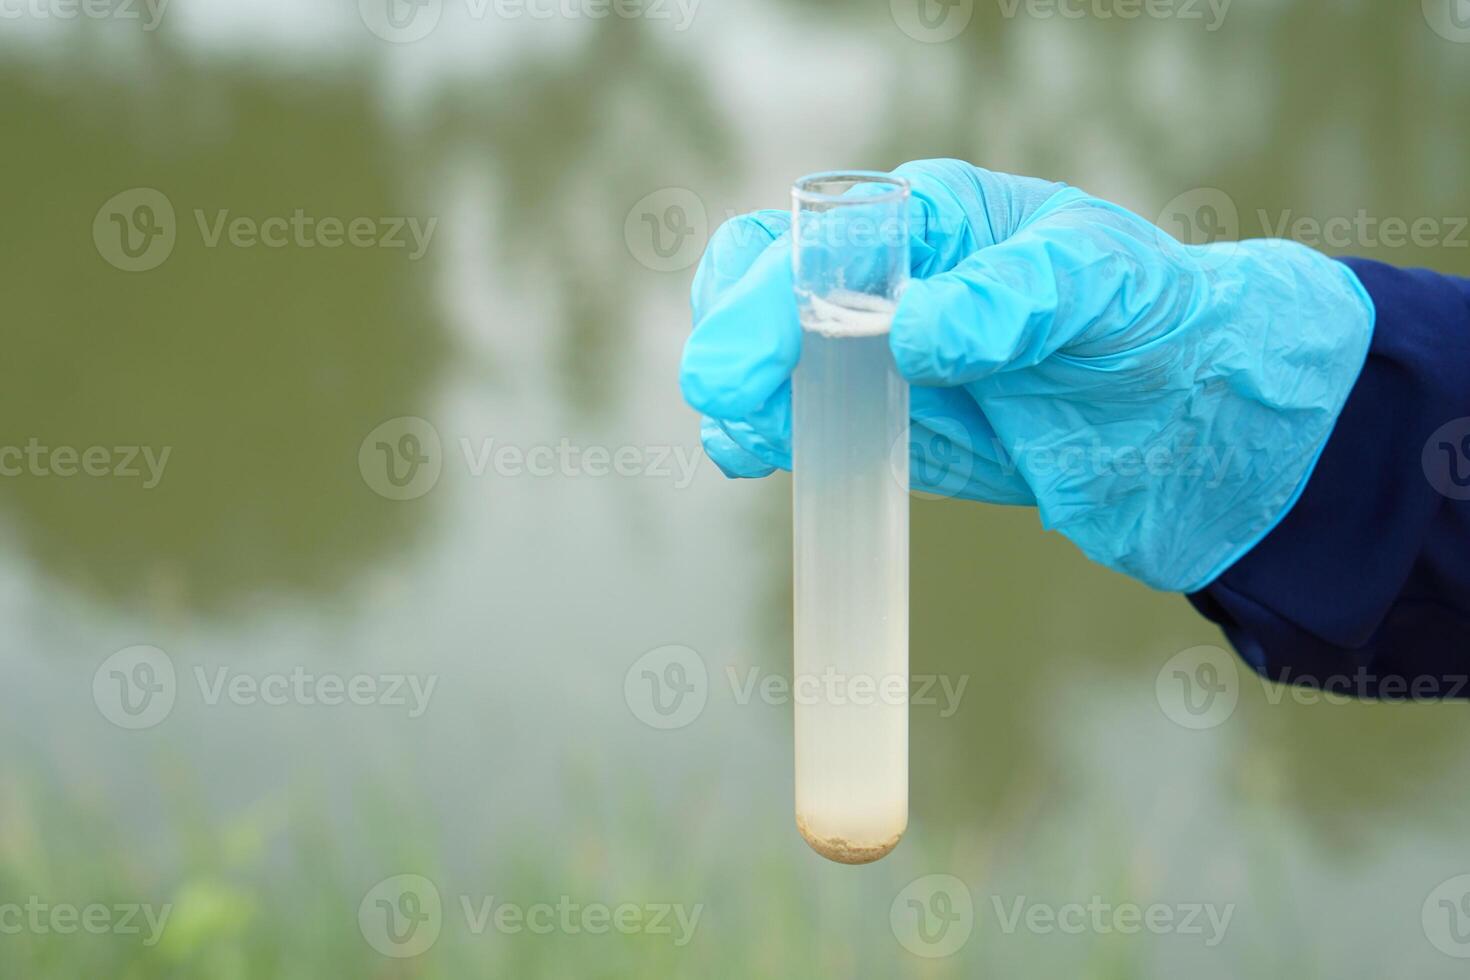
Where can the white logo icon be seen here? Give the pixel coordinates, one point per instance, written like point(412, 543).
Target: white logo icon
point(401, 21)
point(666, 230)
point(932, 21)
point(135, 230)
point(1199, 688)
point(933, 916)
point(1202, 216)
point(1446, 917)
point(135, 687)
point(402, 458)
point(401, 916)
point(667, 687)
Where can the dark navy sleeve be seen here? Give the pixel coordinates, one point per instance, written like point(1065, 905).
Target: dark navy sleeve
point(1365, 584)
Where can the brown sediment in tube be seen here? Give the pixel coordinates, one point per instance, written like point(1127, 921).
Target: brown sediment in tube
point(845, 851)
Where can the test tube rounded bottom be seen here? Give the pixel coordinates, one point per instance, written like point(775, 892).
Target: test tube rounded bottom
point(844, 851)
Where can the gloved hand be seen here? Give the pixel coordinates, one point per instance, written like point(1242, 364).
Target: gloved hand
point(1161, 404)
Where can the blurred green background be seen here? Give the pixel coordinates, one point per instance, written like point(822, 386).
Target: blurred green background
point(573, 167)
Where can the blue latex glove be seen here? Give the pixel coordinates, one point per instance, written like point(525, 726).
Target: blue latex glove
point(1161, 404)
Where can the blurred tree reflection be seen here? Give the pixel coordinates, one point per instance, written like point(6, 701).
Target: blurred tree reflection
point(261, 368)
point(573, 140)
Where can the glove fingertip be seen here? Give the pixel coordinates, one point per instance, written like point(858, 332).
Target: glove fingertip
point(746, 346)
point(723, 386)
point(733, 461)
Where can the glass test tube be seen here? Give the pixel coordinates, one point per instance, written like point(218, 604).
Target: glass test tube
point(850, 509)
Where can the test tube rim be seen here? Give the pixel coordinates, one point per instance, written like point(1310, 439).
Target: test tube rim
point(801, 195)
